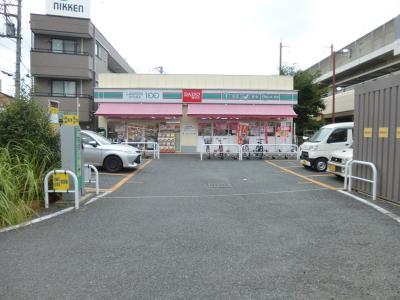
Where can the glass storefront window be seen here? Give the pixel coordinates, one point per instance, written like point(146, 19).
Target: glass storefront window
point(254, 129)
point(204, 129)
point(220, 128)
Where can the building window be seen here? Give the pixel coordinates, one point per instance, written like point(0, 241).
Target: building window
point(63, 88)
point(63, 46)
point(97, 50)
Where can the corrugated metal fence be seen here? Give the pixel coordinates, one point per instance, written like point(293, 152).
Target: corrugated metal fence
point(377, 134)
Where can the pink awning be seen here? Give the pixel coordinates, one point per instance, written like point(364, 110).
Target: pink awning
point(240, 111)
point(126, 110)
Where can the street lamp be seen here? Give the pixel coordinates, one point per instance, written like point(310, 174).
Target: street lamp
point(333, 54)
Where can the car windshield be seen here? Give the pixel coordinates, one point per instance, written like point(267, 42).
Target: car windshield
point(320, 135)
point(101, 139)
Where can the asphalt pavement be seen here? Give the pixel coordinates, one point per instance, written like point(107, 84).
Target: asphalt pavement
point(190, 229)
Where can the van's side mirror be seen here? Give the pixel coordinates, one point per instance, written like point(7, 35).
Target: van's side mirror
point(93, 143)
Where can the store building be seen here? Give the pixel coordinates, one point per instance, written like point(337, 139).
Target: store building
point(181, 112)
point(68, 52)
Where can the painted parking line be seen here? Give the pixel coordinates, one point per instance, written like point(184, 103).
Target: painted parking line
point(321, 175)
point(330, 187)
point(374, 206)
point(113, 174)
point(127, 178)
point(215, 195)
point(286, 170)
point(89, 189)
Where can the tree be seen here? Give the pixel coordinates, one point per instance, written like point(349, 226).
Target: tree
point(310, 104)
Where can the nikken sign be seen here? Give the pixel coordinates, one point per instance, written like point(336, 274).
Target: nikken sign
point(69, 8)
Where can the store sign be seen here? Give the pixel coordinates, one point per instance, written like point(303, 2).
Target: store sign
point(367, 132)
point(70, 120)
point(195, 96)
point(192, 96)
point(383, 132)
point(189, 129)
point(60, 182)
point(69, 8)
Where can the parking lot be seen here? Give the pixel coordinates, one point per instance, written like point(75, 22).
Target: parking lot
point(182, 228)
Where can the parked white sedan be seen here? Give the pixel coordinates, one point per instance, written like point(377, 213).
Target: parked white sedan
point(99, 151)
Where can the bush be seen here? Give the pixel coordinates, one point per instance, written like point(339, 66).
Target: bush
point(28, 150)
point(25, 120)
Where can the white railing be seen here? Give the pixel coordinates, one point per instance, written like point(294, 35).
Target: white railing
point(221, 151)
point(154, 147)
point(270, 150)
point(349, 175)
point(47, 191)
point(88, 175)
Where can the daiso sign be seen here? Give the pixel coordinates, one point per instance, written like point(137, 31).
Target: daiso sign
point(192, 96)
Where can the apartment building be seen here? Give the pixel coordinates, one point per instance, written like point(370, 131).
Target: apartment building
point(67, 55)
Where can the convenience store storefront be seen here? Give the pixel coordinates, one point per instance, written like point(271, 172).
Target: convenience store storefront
point(180, 120)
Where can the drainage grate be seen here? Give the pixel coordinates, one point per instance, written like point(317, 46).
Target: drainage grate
point(218, 185)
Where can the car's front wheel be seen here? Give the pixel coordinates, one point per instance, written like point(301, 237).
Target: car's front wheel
point(113, 164)
point(321, 164)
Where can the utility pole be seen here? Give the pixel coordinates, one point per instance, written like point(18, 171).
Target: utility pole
point(10, 33)
point(18, 54)
point(280, 57)
point(333, 54)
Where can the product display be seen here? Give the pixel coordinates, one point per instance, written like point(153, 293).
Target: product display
point(166, 140)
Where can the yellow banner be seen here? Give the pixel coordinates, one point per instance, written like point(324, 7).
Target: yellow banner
point(60, 182)
point(398, 132)
point(383, 132)
point(368, 132)
point(71, 120)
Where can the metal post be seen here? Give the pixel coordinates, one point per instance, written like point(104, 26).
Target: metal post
point(333, 54)
point(280, 58)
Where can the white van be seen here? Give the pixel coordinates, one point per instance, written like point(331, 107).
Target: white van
point(316, 151)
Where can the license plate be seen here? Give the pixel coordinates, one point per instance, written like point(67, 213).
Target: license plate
point(331, 168)
point(305, 162)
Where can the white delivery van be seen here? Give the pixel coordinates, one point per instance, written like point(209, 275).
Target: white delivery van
point(317, 150)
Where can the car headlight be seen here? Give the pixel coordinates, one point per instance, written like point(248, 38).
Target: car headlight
point(314, 148)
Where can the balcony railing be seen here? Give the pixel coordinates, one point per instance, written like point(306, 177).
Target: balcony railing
point(74, 96)
point(60, 51)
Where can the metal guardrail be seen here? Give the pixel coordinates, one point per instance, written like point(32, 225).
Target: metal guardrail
point(42, 50)
point(63, 95)
point(227, 149)
point(349, 175)
point(88, 176)
point(279, 150)
point(47, 191)
point(283, 150)
point(142, 147)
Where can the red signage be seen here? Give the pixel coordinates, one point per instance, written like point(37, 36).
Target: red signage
point(192, 96)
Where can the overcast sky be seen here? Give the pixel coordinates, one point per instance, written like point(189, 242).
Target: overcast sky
point(219, 36)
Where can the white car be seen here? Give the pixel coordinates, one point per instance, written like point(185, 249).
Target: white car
point(315, 152)
point(338, 160)
point(99, 151)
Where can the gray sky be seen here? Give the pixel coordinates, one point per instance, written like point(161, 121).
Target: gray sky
point(219, 36)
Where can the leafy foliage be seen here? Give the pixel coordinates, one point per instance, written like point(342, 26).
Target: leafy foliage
point(310, 104)
point(28, 149)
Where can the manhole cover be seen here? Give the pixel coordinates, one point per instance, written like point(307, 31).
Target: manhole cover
point(218, 185)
